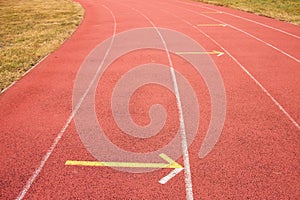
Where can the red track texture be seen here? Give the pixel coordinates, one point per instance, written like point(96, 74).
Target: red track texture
point(256, 156)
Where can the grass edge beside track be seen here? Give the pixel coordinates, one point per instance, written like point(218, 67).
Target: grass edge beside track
point(30, 30)
point(283, 10)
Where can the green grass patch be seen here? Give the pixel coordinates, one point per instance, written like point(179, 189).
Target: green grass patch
point(31, 29)
point(286, 10)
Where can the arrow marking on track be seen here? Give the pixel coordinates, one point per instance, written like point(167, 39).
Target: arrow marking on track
point(218, 53)
point(223, 25)
point(171, 163)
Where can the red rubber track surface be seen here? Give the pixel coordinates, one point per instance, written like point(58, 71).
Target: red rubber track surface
point(256, 157)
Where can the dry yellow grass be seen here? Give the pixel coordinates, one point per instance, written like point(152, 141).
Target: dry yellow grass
point(287, 10)
point(31, 29)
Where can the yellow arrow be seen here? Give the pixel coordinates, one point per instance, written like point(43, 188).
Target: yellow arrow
point(171, 163)
point(218, 53)
point(212, 25)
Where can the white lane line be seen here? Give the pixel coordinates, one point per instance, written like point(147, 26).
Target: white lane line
point(186, 160)
point(59, 136)
point(187, 168)
point(237, 16)
point(172, 174)
point(240, 30)
point(246, 71)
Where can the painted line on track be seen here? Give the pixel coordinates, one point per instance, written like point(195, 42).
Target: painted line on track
point(170, 163)
point(245, 70)
point(218, 53)
point(70, 118)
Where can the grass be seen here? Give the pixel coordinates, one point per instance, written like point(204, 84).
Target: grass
point(286, 10)
point(31, 29)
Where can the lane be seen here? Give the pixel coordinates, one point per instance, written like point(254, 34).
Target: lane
point(35, 109)
point(76, 107)
point(110, 184)
point(256, 156)
point(182, 128)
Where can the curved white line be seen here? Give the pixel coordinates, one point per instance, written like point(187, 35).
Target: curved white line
point(237, 16)
point(70, 118)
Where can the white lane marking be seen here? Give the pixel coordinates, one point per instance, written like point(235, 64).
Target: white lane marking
point(250, 35)
point(246, 71)
point(186, 160)
point(59, 136)
point(172, 174)
point(187, 168)
point(237, 16)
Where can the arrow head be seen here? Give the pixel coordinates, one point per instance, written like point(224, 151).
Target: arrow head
point(171, 163)
point(219, 53)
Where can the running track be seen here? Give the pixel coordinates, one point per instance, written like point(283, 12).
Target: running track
point(256, 157)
